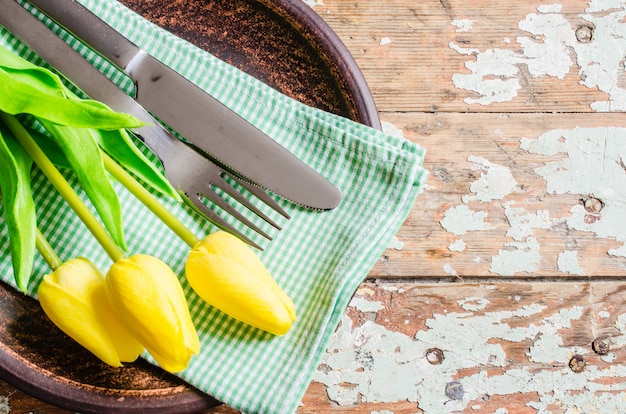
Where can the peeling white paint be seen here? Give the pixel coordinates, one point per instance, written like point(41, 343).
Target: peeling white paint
point(396, 244)
point(391, 288)
point(370, 368)
point(523, 254)
point(496, 182)
point(365, 291)
point(473, 304)
point(385, 41)
point(618, 252)
point(546, 52)
point(362, 360)
point(313, 3)
point(517, 257)
point(601, 61)
point(461, 219)
point(5, 408)
point(550, 8)
point(462, 25)
point(449, 269)
point(548, 345)
point(364, 305)
point(552, 49)
point(609, 358)
point(619, 341)
point(457, 246)
point(593, 164)
point(523, 223)
point(492, 75)
point(568, 263)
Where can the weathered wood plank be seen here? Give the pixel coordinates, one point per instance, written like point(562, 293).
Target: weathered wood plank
point(487, 167)
point(422, 56)
point(476, 348)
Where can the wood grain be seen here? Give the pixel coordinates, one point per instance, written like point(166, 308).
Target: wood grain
point(507, 346)
point(450, 139)
point(414, 72)
point(528, 325)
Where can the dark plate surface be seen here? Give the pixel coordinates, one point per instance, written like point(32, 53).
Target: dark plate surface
point(284, 44)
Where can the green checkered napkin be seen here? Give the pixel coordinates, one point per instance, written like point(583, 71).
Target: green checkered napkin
point(319, 258)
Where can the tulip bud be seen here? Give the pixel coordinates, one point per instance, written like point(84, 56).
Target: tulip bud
point(74, 298)
point(150, 301)
point(228, 275)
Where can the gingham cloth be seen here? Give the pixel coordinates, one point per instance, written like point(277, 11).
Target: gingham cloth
point(319, 258)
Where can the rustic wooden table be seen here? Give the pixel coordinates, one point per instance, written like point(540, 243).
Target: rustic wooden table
point(503, 291)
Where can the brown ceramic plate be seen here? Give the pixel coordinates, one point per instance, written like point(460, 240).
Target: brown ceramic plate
point(284, 44)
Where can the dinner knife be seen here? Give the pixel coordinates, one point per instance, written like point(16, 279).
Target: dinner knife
point(209, 125)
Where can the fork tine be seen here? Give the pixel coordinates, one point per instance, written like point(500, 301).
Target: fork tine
point(216, 199)
point(212, 216)
point(219, 182)
point(261, 195)
point(225, 186)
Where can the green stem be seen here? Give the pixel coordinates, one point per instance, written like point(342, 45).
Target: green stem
point(46, 250)
point(149, 201)
point(63, 187)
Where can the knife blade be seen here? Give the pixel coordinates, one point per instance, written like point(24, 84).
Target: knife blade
point(201, 119)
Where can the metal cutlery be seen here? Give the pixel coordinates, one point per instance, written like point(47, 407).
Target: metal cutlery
point(209, 125)
point(190, 172)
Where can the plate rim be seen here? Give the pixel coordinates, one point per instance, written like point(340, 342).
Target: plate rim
point(21, 373)
point(338, 54)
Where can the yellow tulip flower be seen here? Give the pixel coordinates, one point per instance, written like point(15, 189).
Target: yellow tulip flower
point(228, 275)
point(150, 301)
point(74, 298)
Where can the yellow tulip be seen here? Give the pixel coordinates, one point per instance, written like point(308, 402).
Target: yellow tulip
point(150, 301)
point(228, 275)
point(74, 298)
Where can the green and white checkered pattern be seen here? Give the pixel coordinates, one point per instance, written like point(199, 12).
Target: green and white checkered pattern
point(319, 258)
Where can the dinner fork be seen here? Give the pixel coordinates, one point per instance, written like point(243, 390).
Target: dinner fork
point(194, 175)
point(196, 178)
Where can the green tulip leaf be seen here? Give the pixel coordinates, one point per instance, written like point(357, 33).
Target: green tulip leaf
point(19, 208)
point(116, 142)
point(10, 60)
point(22, 96)
point(51, 149)
point(83, 154)
point(120, 146)
point(40, 78)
